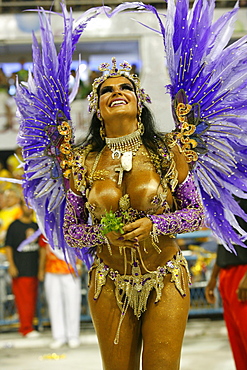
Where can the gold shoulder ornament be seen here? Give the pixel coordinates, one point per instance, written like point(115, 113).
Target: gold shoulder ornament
point(187, 122)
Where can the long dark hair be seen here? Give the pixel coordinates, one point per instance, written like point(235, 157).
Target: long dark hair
point(150, 137)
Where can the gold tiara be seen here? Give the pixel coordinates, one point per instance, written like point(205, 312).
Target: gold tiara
point(114, 71)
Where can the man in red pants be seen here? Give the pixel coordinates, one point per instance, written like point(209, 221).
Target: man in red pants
point(24, 268)
point(232, 271)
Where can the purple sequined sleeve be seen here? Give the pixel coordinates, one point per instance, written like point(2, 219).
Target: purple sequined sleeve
point(77, 233)
point(189, 214)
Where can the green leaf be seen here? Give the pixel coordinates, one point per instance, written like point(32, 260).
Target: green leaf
point(111, 223)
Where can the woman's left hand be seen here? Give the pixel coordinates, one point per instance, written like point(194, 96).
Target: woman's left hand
point(242, 289)
point(138, 230)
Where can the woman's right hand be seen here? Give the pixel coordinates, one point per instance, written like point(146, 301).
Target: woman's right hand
point(13, 271)
point(117, 240)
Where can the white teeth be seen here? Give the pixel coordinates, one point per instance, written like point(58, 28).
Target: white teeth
point(116, 102)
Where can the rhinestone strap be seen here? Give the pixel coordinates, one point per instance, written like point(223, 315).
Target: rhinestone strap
point(187, 218)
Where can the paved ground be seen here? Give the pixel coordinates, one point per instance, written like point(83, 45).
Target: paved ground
point(205, 347)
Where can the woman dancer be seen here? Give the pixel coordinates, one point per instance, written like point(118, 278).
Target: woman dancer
point(131, 188)
point(129, 173)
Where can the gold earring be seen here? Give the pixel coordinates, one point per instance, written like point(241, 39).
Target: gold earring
point(141, 127)
point(102, 132)
point(99, 115)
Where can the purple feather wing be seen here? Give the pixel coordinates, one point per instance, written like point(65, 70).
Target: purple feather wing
point(43, 103)
point(209, 76)
point(213, 77)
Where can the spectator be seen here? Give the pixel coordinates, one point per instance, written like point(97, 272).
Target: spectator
point(10, 210)
point(24, 268)
point(63, 294)
point(232, 272)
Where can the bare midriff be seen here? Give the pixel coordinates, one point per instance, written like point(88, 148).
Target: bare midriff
point(150, 258)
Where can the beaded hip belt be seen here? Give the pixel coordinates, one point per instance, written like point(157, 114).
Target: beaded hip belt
point(133, 290)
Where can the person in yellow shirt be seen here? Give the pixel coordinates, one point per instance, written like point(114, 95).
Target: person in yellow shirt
point(10, 212)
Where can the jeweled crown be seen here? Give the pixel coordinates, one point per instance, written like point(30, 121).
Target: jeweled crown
point(114, 71)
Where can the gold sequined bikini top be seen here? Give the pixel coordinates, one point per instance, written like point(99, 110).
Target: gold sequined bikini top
point(144, 189)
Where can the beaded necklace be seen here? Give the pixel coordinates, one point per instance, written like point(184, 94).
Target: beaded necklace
point(123, 144)
point(124, 148)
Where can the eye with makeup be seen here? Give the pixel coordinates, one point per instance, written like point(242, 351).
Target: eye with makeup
point(109, 89)
point(127, 87)
point(105, 90)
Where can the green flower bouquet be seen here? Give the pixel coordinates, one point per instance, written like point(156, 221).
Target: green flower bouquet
point(111, 222)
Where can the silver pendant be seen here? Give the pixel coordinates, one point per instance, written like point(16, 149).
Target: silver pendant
point(126, 161)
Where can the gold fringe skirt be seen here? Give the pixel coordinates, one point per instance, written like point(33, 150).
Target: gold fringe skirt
point(133, 290)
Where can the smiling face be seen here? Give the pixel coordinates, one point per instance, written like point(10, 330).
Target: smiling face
point(117, 99)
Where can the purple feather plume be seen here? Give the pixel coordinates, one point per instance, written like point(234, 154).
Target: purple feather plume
point(42, 103)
